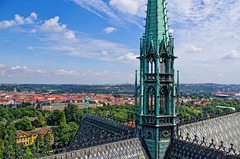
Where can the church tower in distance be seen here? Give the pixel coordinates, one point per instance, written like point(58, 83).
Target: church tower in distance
point(156, 102)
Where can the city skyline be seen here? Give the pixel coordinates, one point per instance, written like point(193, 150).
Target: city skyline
point(97, 42)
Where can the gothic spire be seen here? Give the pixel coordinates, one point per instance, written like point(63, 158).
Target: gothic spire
point(156, 28)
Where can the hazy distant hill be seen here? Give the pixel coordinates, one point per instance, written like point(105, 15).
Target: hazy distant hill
point(115, 89)
point(209, 87)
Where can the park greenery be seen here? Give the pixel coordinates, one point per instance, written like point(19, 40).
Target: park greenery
point(65, 123)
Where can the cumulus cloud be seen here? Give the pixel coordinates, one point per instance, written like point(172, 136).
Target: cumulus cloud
point(134, 7)
point(66, 73)
point(20, 71)
point(5, 24)
point(109, 30)
point(232, 55)
point(129, 57)
point(34, 15)
point(25, 72)
point(70, 35)
point(18, 20)
point(52, 25)
point(21, 68)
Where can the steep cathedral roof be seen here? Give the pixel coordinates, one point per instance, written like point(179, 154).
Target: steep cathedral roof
point(130, 148)
point(103, 138)
point(224, 129)
point(95, 130)
point(98, 137)
point(211, 139)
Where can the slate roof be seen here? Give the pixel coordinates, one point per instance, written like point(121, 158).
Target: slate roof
point(131, 148)
point(179, 149)
point(97, 137)
point(95, 131)
point(224, 129)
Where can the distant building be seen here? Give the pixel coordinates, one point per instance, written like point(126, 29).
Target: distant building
point(6, 101)
point(225, 107)
point(28, 137)
point(61, 106)
point(15, 90)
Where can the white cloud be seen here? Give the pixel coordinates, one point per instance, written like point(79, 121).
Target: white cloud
point(232, 55)
point(25, 72)
point(34, 15)
point(129, 57)
point(66, 73)
point(117, 12)
point(30, 48)
point(41, 71)
point(70, 35)
point(33, 31)
point(2, 69)
point(16, 68)
point(209, 29)
point(19, 68)
point(85, 47)
point(98, 7)
point(6, 24)
point(134, 7)
point(52, 25)
point(109, 30)
point(195, 49)
point(104, 54)
point(18, 20)
point(31, 18)
point(132, 76)
point(171, 30)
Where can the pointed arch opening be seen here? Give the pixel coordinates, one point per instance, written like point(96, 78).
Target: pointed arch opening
point(151, 64)
point(163, 100)
point(151, 100)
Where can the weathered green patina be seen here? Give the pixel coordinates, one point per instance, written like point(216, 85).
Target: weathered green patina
point(157, 109)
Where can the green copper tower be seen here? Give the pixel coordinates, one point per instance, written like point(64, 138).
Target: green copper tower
point(156, 102)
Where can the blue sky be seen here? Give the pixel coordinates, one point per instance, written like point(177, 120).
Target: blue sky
point(97, 41)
